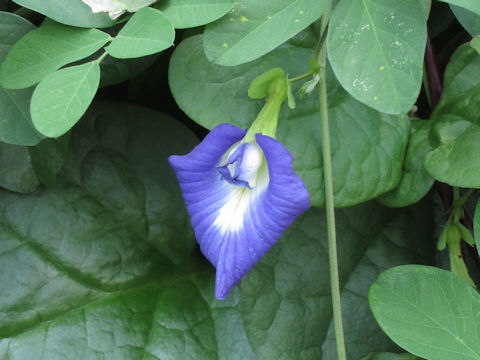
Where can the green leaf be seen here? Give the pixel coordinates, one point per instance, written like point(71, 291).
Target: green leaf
point(15, 122)
point(69, 12)
point(147, 32)
point(471, 5)
point(469, 20)
point(45, 50)
point(368, 147)
point(416, 182)
point(62, 97)
point(377, 51)
point(16, 172)
point(136, 309)
point(390, 356)
point(191, 13)
point(455, 162)
point(475, 43)
point(476, 226)
point(457, 123)
point(47, 159)
point(254, 28)
point(428, 311)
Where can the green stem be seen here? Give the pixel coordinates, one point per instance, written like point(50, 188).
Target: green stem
point(301, 77)
point(329, 200)
point(101, 57)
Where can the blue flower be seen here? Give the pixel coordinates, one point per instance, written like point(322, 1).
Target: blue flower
point(241, 196)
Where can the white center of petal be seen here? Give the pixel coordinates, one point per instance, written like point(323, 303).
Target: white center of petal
point(254, 170)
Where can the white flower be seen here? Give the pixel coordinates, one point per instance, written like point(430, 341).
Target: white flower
point(115, 8)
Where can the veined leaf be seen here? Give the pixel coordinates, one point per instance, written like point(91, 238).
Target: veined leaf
point(428, 311)
point(46, 49)
point(147, 32)
point(254, 28)
point(376, 50)
point(61, 99)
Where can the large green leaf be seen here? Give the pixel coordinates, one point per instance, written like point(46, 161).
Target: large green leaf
point(15, 122)
point(471, 5)
point(376, 50)
point(368, 147)
point(16, 172)
point(190, 13)
point(429, 312)
point(135, 309)
point(457, 123)
point(470, 21)
point(62, 97)
point(254, 28)
point(114, 71)
point(45, 50)
point(47, 159)
point(416, 182)
point(147, 32)
point(69, 12)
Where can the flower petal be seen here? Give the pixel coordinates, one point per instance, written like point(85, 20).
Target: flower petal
point(234, 225)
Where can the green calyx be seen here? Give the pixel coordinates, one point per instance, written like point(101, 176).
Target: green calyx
point(273, 86)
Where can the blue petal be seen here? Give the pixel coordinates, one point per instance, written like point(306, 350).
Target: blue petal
point(235, 225)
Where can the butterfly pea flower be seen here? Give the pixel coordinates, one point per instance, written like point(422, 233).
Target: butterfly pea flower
point(241, 194)
point(115, 8)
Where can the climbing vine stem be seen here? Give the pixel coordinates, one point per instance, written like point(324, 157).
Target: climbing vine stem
point(329, 200)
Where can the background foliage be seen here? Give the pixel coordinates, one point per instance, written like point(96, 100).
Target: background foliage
point(97, 256)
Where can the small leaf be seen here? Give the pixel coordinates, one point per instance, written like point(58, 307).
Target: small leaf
point(290, 96)
point(61, 99)
point(428, 311)
point(69, 12)
point(377, 51)
point(45, 50)
point(191, 13)
point(466, 234)
point(254, 28)
point(258, 89)
point(147, 32)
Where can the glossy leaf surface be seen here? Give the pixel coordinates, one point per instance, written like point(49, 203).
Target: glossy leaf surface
point(62, 97)
point(376, 51)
